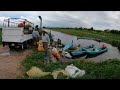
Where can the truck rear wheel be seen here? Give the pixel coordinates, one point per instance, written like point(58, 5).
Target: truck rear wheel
point(25, 45)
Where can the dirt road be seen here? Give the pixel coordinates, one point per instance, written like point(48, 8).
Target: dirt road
point(10, 65)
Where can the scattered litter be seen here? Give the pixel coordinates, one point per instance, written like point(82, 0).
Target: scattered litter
point(74, 71)
point(67, 55)
point(37, 72)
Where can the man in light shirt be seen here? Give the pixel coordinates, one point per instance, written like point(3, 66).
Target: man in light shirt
point(46, 43)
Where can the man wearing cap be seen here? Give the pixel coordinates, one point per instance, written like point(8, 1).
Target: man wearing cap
point(46, 43)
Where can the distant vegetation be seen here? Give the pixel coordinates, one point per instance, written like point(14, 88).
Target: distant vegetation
point(109, 36)
point(90, 29)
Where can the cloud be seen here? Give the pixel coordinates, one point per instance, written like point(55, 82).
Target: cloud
point(95, 19)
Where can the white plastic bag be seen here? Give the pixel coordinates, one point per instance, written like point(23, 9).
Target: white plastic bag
point(54, 49)
point(67, 55)
point(74, 71)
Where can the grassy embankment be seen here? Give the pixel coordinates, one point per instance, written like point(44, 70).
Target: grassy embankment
point(102, 70)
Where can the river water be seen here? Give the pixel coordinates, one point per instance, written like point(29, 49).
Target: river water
point(112, 53)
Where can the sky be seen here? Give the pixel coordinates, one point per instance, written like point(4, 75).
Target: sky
point(100, 20)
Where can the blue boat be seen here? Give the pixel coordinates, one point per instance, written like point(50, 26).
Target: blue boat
point(81, 51)
point(87, 47)
point(96, 51)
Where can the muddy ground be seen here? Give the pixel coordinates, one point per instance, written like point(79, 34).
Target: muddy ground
point(10, 62)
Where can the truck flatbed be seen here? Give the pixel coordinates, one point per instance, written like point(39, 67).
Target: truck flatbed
point(15, 36)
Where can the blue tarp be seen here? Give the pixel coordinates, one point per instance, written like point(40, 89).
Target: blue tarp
point(68, 45)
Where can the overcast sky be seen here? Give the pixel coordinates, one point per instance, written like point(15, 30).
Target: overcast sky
point(96, 19)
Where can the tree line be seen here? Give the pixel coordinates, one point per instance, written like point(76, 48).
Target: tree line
point(90, 29)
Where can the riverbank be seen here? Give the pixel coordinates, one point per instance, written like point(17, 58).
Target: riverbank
point(109, 69)
point(108, 37)
point(101, 70)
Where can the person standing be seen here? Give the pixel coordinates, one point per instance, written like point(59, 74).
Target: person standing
point(55, 38)
point(35, 35)
point(59, 42)
point(46, 43)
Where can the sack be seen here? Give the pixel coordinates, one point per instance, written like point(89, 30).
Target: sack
point(40, 46)
point(74, 71)
point(39, 42)
point(56, 72)
point(56, 54)
point(36, 72)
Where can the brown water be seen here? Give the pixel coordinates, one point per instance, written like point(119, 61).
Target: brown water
point(112, 53)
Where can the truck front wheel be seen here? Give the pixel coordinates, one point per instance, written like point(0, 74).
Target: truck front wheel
point(11, 47)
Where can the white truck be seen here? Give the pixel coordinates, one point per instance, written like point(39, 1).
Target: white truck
point(15, 37)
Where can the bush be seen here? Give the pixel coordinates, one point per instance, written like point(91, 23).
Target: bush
point(114, 42)
point(30, 31)
point(106, 30)
point(115, 31)
point(60, 52)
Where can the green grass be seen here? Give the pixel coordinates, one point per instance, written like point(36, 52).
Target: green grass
point(0, 36)
point(103, 70)
point(107, 37)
